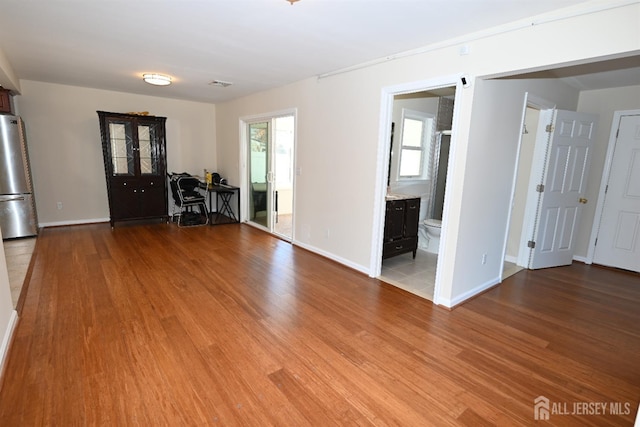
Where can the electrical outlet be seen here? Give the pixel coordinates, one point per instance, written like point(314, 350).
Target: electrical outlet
point(59, 206)
point(484, 259)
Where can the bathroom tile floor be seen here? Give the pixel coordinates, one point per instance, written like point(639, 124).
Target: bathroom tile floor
point(419, 276)
point(18, 254)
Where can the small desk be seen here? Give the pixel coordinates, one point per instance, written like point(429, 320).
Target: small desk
point(225, 193)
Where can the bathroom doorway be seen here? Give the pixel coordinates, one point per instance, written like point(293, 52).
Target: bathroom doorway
point(421, 124)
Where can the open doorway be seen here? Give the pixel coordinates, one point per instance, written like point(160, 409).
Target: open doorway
point(421, 127)
point(514, 259)
point(532, 132)
point(549, 186)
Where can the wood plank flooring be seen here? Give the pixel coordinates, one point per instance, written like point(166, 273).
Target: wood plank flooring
point(226, 325)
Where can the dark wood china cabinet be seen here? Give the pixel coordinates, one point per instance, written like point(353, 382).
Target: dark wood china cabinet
point(134, 151)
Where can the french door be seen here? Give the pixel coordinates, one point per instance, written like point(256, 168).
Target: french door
point(271, 175)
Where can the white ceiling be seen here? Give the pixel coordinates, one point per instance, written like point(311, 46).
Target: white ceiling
point(255, 44)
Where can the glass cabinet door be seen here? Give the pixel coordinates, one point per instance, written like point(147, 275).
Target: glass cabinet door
point(122, 148)
point(148, 152)
point(134, 153)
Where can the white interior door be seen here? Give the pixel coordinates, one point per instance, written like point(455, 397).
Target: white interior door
point(562, 188)
point(618, 243)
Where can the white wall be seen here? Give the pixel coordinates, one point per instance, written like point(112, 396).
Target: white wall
point(63, 136)
point(603, 102)
point(492, 147)
point(7, 75)
point(339, 136)
point(8, 316)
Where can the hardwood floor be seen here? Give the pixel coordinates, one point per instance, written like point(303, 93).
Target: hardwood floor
point(226, 325)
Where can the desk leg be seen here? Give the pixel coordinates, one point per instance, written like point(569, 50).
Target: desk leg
point(210, 207)
point(239, 205)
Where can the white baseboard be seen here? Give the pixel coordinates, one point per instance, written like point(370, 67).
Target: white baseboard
point(580, 259)
point(6, 341)
point(512, 259)
point(466, 295)
point(73, 222)
point(333, 257)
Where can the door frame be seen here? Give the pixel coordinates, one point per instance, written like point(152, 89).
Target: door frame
point(244, 171)
point(382, 169)
point(537, 165)
point(595, 228)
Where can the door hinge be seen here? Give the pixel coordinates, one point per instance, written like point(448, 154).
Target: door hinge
point(549, 128)
point(531, 244)
point(540, 188)
point(606, 189)
point(617, 133)
point(596, 243)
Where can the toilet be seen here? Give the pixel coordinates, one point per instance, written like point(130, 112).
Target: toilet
point(430, 235)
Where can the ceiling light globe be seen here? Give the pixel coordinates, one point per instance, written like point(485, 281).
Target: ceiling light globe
point(157, 79)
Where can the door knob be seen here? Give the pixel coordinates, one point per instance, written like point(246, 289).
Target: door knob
point(583, 200)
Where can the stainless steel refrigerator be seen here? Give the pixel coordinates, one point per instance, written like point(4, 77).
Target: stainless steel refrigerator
point(17, 207)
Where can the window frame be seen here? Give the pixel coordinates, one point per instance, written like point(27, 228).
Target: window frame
point(428, 132)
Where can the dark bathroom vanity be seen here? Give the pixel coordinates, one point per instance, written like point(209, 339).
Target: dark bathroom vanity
point(401, 225)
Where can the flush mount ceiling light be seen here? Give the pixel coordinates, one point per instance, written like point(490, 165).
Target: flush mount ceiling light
point(292, 1)
point(157, 79)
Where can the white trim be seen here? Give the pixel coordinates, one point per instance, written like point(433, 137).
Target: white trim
point(540, 104)
point(382, 167)
point(73, 222)
point(514, 180)
point(459, 299)
point(595, 228)
point(244, 186)
point(6, 341)
point(511, 259)
point(333, 257)
point(244, 172)
point(580, 259)
point(536, 20)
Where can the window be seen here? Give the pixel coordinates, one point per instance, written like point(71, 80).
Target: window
point(417, 132)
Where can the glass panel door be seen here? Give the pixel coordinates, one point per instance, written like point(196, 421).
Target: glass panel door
point(283, 179)
point(271, 174)
point(259, 187)
point(122, 148)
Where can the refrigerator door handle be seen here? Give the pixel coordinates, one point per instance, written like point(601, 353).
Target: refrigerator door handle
point(13, 199)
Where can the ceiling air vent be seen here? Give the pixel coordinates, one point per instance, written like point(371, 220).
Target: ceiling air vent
point(220, 83)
